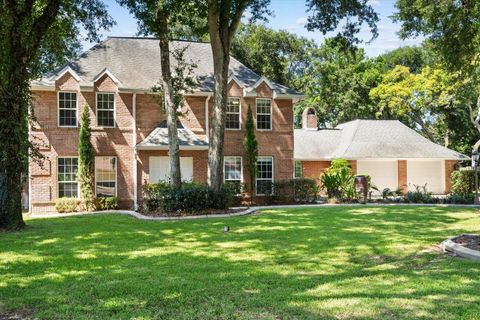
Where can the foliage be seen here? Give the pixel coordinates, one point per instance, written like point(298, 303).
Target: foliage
point(300, 190)
point(189, 198)
point(65, 205)
point(414, 58)
point(460, 199)
point(106, 203)
point(86, 161)
point(36, 36)
point(419, 195)
point(463, 182)
point(338, 180)
point(387, 193)
point(250, 145)
point(280, 56)
point(337, 83)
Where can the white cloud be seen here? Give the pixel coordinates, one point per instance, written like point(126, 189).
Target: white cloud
point(301, 21)
point(374, 2)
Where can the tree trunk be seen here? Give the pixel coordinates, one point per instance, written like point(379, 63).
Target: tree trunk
point(13, 149)
point(173, 150)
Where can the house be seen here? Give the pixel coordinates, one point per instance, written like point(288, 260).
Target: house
point(392, 154)
point(114, 80)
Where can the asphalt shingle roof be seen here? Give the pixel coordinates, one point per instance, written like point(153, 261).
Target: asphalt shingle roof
point(368, 139)
point(158, 138)
point(135, 62)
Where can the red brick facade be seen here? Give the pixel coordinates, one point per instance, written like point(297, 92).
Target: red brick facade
point(55, 141)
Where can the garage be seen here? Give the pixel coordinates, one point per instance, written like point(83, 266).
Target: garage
point(384, 173)
point(159, 169)
point(429, 172)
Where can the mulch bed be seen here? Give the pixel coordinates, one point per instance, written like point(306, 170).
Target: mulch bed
point(469, 241)
point(189, 214)
point(16, 315)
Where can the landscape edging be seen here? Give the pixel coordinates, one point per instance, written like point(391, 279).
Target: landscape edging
point(458, 249)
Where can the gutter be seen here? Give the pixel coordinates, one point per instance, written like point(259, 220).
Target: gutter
point(207, 129)
point(134, 153)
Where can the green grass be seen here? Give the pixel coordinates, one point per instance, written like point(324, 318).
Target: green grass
point(318, 263)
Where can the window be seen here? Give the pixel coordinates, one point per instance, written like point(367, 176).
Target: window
point(264, 175)
point(233, 114)
point(67, 177)
point(67, 109)
point(232, 169)
point(298, 169)
point(106, 176)
point(264, 114)
point(105, 110)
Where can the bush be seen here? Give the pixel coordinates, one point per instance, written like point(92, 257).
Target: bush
point(463, 182)
point(337, 180)
point(63, 205)
point(460, 199)
point(106, 203)
point(419, 195)
point(189, 198)
point(300, 190)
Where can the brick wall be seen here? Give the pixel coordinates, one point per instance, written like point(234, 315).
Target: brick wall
point(118, 141)
point(449, 168)
point(402, 175)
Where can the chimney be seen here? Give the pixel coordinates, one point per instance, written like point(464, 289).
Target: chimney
point(309, 119)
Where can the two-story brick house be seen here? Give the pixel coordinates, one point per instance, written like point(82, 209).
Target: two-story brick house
point(114, 80)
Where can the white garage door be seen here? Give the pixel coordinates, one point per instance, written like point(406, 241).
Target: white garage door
point(159, 169)
point(426, 172)
point(384, 174)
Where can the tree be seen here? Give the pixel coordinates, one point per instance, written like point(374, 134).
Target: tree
point(36, 36)
point(415, 58)
point(337, 83)
point(86, 161)
point(452, 29)
point(251, 150)
point(280, 56)
point(223, 20)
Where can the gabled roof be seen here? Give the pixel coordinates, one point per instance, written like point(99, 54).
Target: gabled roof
point(368, 139)
point(158, 139)
point(135, 62)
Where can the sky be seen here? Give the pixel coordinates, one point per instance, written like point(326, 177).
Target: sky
point(291, 15)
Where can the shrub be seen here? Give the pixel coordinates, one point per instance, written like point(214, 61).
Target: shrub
point(419, 195)
point(106, 203)
point(300, 190)
point(460, 199)
point(337, 180)
point(63, 205)
point(463, 182)
point(189, 198)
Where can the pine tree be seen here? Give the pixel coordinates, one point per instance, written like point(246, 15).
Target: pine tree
point(251, 150)
point(86, 160)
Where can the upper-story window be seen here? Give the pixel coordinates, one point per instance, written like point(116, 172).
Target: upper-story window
point(264, 114)
point(105, 109)
point(67, 109)
point(233, 114)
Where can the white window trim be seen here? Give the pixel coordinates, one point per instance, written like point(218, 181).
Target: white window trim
point(58, 181)
point(114, 108)
point(256, 114)
point(241, 168)
point(239, 114)
point(273, 175)
point(116, 175)
point(58, 109)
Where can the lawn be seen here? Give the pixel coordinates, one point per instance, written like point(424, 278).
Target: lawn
point(316, 263)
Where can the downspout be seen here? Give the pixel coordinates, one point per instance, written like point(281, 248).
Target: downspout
point(134, 143)
point(207, 133)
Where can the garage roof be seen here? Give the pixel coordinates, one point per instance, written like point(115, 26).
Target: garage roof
point(158, 139)
point(368, 139)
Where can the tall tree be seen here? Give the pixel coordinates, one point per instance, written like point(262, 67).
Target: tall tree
point(452, 28)
point(86, 161)
point(36, 35)
point(223, 20)
point(250, 145)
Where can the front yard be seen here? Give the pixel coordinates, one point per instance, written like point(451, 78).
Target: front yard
point(329, 263)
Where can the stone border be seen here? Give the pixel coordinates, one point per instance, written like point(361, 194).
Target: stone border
point(459, 250)
point(246, 211)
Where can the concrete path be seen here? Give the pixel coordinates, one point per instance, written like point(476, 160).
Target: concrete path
point(244, 212)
